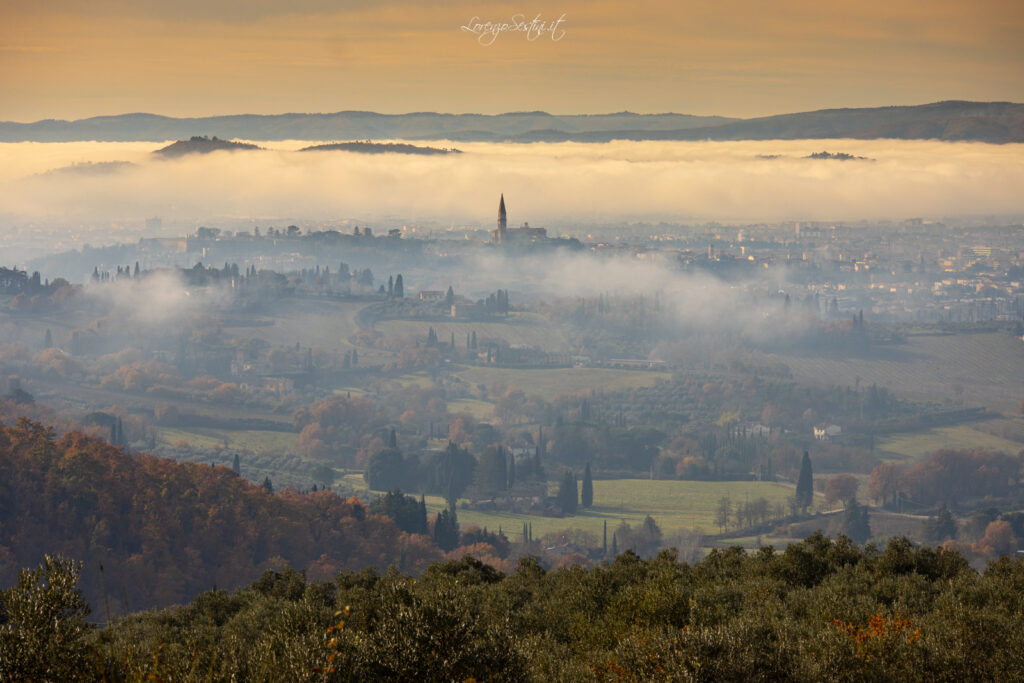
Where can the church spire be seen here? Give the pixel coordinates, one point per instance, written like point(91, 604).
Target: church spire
point(499, 234)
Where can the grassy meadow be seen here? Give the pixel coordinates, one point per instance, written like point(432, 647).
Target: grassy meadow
point(482, 411)
point(550, 383)
point(989, 366)
point(912, 446)
point(673, 505)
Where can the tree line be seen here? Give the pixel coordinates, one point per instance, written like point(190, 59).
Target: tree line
point(821, 609)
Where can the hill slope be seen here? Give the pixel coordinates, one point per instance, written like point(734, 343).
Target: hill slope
point(201, 145)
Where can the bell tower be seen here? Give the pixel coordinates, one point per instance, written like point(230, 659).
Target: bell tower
point(502, 220)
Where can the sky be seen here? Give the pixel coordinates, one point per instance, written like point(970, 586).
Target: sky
point(71, 59)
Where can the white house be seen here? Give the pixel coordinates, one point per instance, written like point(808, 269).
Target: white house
point(825, 432)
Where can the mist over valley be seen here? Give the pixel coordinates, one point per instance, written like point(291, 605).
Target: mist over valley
point(557, 350)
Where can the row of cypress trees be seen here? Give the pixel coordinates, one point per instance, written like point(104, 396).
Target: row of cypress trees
point(569, 497)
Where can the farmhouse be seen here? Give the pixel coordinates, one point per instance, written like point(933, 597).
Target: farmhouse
point(827, 432)
point(756, 429)
point(12, 279)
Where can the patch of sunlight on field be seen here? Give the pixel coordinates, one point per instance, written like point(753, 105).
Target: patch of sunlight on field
point(672, 504)
point(960, 437)
point(550, 383)
point(257, 441)
point(355, 481)
point(420, 379)
point(519, 329)
point(481, 410)
point(310, 322)
point(752, 542)
point(354, 391)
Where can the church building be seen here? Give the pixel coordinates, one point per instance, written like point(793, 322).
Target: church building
point(524, 234)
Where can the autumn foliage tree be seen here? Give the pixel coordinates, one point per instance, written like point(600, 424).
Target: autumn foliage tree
point(332, 429)
point(840, 488)
point(998, 539)
point(884, 483)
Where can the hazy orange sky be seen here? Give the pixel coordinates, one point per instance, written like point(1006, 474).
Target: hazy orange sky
point(73, 59)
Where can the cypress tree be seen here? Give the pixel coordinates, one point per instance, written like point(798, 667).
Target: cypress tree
point(421, 518)
point(568, 495)
point(604, 539)
point(940, 527)
point(615, 546)
point(446, 530)
point(805, 484)
point(587, 494)
point(237, 465)
point(855, 522)
point(399, 287)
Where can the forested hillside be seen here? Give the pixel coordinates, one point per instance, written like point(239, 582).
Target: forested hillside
point(164, 531)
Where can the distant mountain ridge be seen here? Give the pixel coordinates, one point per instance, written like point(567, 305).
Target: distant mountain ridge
point(351, 125)
point(996, 122)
